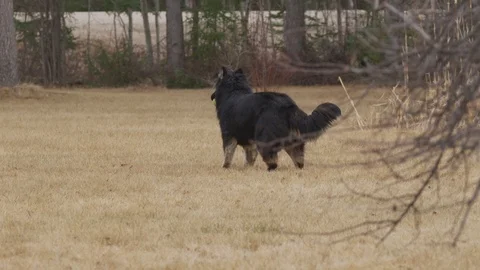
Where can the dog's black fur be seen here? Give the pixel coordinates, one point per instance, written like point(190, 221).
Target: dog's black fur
point(267, 121)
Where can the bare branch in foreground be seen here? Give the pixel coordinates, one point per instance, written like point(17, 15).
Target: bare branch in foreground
point(435, 54)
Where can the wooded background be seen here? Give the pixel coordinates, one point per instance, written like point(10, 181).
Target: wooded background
point(53, 48)
point(181, 44)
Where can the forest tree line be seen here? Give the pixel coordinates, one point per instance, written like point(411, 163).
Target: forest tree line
point(214, 33)
point(110, 6)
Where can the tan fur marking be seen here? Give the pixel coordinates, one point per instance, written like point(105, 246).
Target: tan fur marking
point(250, 154)
point(229, 151)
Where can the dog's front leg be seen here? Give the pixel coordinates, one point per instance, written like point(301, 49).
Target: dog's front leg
point(250, 154)
point(297, 154)
point(229, 146)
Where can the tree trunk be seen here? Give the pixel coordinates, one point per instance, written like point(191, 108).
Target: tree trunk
point(195, 37)
point(175, 46)
point(8, 45)
point(115, 37)
point(148, 35)
point(231, 8)
point(58, 37)
point(271, 28)
point(130, 33)
point(339, 23)
point(245, 44)
point(157, 30)
point(58, 42)
point(148, 42)
point(52, 42)
point(294, 29)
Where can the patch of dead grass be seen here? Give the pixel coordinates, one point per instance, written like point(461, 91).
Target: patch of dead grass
point(93, 179)
point(22, 91)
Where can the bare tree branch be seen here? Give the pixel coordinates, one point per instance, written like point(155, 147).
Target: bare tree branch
point(435, 54)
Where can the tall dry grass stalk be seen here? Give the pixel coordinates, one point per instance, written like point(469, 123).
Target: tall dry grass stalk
point(360, 121)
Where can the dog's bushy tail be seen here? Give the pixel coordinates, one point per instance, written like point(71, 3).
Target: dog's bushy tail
point(303, 127)
point(313, 125)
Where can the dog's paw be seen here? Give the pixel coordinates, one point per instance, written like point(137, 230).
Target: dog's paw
point(272, 167)
point(226, 165)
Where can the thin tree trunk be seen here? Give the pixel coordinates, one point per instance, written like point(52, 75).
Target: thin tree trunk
point(44, 45)
point(175, 45)
point(294, 29)
point(26, 48)
point(148, 35)
point(55, 43)
point(90, 75)
point(347, 22)
point(130, 32)
point(52, 42)
point(356, 16)
point(148, 42)
point(59, 41)
point(231, 7)
point(271, 29)
point(264, 42)
point(8, 45)
point(339, 22)
point(195, 37)
point(244, 18)
point(115, 38)
point(157, 30)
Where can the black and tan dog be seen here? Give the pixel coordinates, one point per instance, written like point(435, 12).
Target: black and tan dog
point(265, 121)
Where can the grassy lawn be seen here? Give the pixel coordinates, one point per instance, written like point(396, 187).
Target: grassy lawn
point(132, 178)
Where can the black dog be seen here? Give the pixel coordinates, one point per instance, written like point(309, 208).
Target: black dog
point(266, 121)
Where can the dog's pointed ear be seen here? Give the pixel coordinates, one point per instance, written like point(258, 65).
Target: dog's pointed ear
point(224, 70)
point(222, 73)
point(239, 71)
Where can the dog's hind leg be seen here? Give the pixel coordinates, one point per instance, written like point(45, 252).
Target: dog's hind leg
point(229, 146)
point(250, 154)
point(297, 154)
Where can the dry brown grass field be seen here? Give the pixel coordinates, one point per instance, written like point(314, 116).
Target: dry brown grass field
point(132, 179)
